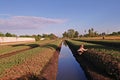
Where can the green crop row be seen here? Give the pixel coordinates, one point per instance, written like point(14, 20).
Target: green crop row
point(8, 62)
point(10, 49)
point(102, 57)
point(4, 49)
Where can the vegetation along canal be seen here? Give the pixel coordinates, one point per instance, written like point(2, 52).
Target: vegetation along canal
point(68, 68)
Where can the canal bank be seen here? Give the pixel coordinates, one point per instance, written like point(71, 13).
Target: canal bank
point(91, 71)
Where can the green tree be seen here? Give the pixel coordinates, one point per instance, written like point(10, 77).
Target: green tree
point(71, 33)
point(1, 34)
point(26, 36)
point(52, 36)
point(89, 32)
point(65, 35)
point(76, 34)
point(118, 32)
point(8, 34)
point(37, 38)
point(45, 35)
point(92, 33)
point(14, 35)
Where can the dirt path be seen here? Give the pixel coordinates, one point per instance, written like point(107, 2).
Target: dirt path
point(50, 70)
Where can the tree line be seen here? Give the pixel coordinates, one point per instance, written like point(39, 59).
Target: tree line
point(37, 37)
point(71, 33)
point(7, 35)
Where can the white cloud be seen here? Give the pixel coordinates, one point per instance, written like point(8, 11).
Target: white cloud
point(27, 22)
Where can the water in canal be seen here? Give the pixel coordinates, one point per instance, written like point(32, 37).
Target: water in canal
point(68, 68)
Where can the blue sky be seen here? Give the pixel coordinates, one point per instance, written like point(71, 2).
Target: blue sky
point(56, 16)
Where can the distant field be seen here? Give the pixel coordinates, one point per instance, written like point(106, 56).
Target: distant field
point(99, 38)
point(4, 49)
point(109, 43)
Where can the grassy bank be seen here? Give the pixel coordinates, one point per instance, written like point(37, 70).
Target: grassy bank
point(101, 47)
point(110, 43)
point(104, 59)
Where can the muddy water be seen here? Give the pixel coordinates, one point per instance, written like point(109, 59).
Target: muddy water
point(68, 68)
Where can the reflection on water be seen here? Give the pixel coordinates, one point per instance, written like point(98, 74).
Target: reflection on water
point(64, 43)
point(68, 68)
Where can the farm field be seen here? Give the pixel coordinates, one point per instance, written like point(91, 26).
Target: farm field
point(110, 43)
point(24, 62)
point(4, 49)
point(60, 40)
point(104, 58)
point(101, 38)
point(112, 50)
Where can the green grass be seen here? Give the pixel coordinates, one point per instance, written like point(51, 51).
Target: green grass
point(12, 48)
point(9, 49)
point(99, 48)
point(109, 43)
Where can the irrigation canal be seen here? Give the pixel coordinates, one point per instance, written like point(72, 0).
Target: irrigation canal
point(68, 67)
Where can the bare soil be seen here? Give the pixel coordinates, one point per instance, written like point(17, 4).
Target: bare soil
point(50, 71)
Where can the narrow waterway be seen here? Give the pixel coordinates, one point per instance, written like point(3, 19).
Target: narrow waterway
point(68, 68)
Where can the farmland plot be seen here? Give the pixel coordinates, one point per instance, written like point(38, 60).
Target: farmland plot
point(23, 63)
